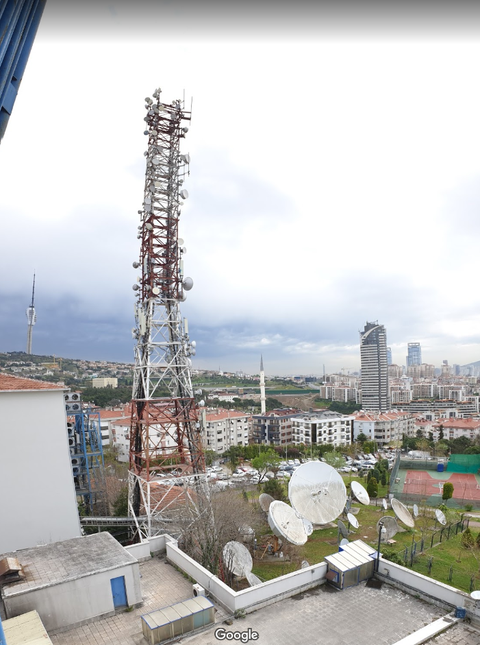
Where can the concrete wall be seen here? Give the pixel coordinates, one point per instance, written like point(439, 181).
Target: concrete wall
point(416, 583)
point(145, 550)
point(73, 602)
point(254, 597)
point(37, 492)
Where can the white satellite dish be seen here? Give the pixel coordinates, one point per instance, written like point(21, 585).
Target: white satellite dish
point(440, 517)
point(342, 528)
point(237, 559)
point(308, 526)
point(286, 523)
point(475, 595)
point(353, 520)
point(253, 580)
point(305, 564)
point(360, 493)
point(317, 492)
point(415, 510)
point(385, 504)
point(402, 513)
point(390, 525)
point(344, 542)
point(265, 500)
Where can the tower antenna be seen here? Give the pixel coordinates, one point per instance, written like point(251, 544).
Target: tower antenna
point(31, 318)
point(165, 436)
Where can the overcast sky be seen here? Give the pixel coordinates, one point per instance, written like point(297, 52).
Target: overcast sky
point(334, 179)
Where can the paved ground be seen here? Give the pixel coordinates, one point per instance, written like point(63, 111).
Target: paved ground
point(356, 616)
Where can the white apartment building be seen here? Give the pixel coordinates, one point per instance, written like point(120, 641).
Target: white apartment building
point(455, 428)
point(384, 427)
point(341, 393)
point(224, 428)
point(322, 427)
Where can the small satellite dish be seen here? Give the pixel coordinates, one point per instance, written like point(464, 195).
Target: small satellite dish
point(306, 563)
point(253, 580)
point(440, 517)
point(475, 595)
point(237, 559)
point(265, 500)
point(342, 528)
point(415, 510)
point(390, 525)
point(187, 284)
point(155, 291)
point(353, 520)
point(317, 492)
point(385, 504)
point(344, 542)
point(402, 513)
point(286, 523)
point(308, 526)
point(183, 193)
point(360, 493)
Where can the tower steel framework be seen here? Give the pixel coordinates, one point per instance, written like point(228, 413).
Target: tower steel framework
point(165, 434)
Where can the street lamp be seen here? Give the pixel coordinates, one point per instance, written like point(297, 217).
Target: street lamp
point(381, 531)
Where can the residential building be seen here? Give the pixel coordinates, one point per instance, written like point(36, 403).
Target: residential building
point(225, 428)
point(37, 491)
point(384, 427)
point(455, 428)
point(374, 367)
point(275, 427)
point(105, 382)
point(424, 370)
point(322, 427)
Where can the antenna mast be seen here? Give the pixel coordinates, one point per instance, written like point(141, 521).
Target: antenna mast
point(31, 318)
point(165, 432)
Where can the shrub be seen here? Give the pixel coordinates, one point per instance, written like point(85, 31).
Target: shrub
point(372, 487)
point(468, 541)
point(274, 488)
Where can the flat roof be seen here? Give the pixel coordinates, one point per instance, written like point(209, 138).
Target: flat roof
point(26, 629)
point(52, 564)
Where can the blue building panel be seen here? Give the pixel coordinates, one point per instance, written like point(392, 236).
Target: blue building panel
point(19, 20)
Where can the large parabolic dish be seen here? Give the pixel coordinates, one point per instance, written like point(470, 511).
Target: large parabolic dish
point(286, 523)
point(360, 493)
point(237, 559)
point(317, 492)
point(402, 513)
point(265, 500)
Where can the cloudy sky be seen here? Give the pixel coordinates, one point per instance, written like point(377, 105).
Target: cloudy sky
point(334, 179)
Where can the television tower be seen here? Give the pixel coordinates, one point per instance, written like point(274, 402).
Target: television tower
point(165, 433)
point(32, 319)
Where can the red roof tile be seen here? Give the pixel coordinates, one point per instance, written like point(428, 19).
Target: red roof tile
point(9, 383)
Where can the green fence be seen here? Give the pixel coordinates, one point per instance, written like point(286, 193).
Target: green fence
point(468, 464)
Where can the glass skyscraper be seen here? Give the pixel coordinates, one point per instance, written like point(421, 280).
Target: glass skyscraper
point(374, 366)
point(414, 355)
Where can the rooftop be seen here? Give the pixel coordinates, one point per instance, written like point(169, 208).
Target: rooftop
point(67, 560)
point(9, 383)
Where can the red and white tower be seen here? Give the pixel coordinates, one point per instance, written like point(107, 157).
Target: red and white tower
point(165, 435)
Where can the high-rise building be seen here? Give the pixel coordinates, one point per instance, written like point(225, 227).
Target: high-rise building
point(374, 377)
point(414, 355)
point(389, 356)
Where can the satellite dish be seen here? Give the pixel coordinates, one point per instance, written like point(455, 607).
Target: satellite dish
point(286, 523)
point(440, 517)
point(317, 492)
point(360, 493)
point(237, 559)
point(265, 500)
point(308, 526)
point(306, 563)
point(475, 595)
point(344, 542)
point(342, 528)
point(353, 520)
point(385, 504)
point(253, 580)
point(415, 510)
point(183, 193)
point(390, 525)
point(402, 513)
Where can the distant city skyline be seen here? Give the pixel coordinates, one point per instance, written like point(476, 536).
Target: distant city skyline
point(304, 195)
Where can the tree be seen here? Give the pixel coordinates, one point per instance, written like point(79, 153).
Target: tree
point(335, 459)
point(275, 488)
point(266, 461)
point(210, 456)
point(447, 491)
point(372, 487)
point(477, 541)
point(361, 438)
point(120, 506)
point(468, 541)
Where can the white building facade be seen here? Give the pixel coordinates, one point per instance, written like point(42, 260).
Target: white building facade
point(322, 428)
point(225, 428)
